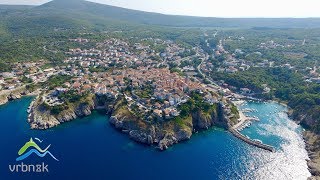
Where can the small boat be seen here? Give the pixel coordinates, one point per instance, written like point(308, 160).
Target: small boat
point(258, 141)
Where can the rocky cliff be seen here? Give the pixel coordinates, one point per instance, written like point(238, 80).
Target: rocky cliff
point(163, 134)
point(312, 139)
point(3, 99)
point(10, 95)
point(42, 118)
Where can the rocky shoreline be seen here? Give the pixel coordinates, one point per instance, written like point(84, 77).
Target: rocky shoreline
point(41, 118)
point(10, 97)
point(16, 94)
point(161, 134)
point(312, 142)
point(311, 139)
point(164, 134)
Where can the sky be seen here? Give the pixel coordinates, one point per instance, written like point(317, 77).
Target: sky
point(212, 8)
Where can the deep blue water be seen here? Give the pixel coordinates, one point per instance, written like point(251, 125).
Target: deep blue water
point(91, 148)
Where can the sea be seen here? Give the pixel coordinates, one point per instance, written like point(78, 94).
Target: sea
point(90, 148)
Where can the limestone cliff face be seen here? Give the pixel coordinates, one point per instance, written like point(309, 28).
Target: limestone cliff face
point(166, 133)
point(204, 120)
point(312, 139)
point(3, 99)
point(42, 118)
point(13, 95)
point(162, 135)
point(201, 120)
point(306, 120)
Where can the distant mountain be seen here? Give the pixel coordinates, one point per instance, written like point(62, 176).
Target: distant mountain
point(173, 20)
point(75, 14)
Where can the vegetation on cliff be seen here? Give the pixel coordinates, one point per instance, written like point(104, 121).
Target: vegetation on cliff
point(286, 85)
point(195, 115)
point(71, 101)
point(196, 107)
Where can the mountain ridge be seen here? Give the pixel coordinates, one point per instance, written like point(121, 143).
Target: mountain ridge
point(151, 18)
point(81, 14)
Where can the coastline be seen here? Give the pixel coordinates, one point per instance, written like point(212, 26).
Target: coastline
point(15, 94)
point(312, 141)
point(243, 118)
point(234, 130)
point(96, 127)
point(162, 133)
point(313, 163)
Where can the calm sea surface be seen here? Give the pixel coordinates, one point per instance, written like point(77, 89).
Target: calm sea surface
point(91, 148)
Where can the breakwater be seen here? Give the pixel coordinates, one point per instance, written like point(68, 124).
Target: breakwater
point(250, 141)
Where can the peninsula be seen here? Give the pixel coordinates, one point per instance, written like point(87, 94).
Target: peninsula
point(151, 103)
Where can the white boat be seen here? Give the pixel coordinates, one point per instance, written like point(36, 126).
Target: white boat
point(258, 141)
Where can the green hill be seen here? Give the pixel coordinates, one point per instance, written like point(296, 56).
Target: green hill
point(106, 11)
point(80, 14)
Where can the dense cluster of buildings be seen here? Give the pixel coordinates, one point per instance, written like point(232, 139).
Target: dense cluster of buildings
point(114, 66)
point(25, 73)
point(118, 53)
point(168, 90)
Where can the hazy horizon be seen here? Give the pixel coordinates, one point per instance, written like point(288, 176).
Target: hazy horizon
point(212, 8)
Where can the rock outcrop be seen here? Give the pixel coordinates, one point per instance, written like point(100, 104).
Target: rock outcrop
point(41, 118)
point(201, 120)
point(312, 141)
point(167, 141)
point(3, 99)
point(83, 109)
point(10, 95)
point(141, 137)
point(14, 96)
point(163, 134)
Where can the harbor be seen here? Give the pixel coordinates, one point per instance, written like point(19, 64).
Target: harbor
point(256, 143)
point(245, 121)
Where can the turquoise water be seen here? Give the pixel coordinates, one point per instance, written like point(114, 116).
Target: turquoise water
point(91, 148)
